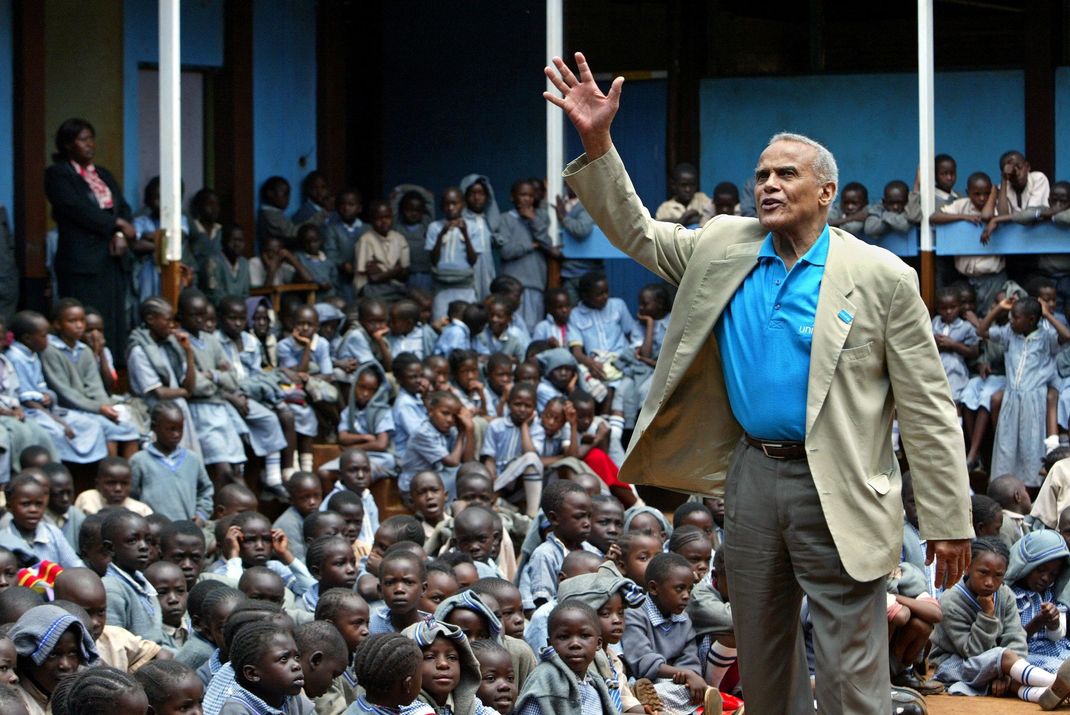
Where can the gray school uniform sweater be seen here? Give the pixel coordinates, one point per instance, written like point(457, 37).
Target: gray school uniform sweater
point(652, 640)
point(78, 386)
point(519, 259)
point(965, 631)
point(292, 524)
point(132, 604)
point(175, 485)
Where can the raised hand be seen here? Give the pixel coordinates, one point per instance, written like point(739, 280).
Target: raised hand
point(589, 110)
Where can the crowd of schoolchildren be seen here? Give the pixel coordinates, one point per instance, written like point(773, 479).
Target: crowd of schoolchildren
point(520, 575)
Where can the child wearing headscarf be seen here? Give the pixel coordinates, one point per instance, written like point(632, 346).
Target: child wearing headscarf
point(36, 634)
point(1036, 573)
point(441, 690)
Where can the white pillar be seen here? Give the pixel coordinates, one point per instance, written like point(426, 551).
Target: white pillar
point(926, 139)
point(170, 130)
point(555, 128)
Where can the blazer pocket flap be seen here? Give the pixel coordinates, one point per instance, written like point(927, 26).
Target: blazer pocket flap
point(859, 353)
point(880, 483)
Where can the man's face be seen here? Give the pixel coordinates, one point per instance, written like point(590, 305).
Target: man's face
point(787, 191)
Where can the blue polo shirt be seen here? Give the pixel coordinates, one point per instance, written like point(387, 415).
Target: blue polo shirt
point(765, 334)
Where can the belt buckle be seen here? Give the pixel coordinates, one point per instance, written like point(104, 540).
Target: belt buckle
point(766, 446)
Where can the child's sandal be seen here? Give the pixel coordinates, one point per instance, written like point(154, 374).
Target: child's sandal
point(1059, 691)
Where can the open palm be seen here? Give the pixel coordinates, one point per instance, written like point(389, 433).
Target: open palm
point(589, 110)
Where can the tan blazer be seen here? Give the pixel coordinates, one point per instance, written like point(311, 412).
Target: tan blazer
point(872, 353)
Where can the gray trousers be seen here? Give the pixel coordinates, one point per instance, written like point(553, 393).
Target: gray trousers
point(777, 549)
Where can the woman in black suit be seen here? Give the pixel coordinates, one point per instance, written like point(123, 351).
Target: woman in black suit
point(94, 226)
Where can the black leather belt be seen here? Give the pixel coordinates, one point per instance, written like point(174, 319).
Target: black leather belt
point(781, 449)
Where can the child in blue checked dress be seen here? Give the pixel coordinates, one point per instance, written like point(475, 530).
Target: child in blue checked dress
point(956, 340)
point(388, 668)
point(305, 358)
point(980, 640)
point(1036, 572)
point(1032, 337)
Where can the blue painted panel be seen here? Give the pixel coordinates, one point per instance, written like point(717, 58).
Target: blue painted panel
point(7, 141)
point(437, 128)
point(284, 92)
point(1062, 122)
point(964, 238)
point(201, 32)
point(904, 245)
point(869, 122)
point(626, 278)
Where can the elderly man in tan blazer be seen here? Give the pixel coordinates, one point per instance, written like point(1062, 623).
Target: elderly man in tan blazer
point(803, 453)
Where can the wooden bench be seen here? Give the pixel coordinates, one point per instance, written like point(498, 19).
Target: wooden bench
point(275, 293)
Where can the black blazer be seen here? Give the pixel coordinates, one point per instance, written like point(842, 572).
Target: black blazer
point(84, 228)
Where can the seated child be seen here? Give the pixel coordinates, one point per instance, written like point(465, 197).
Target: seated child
point(324, 272)
point(554, 327)
point(23, 529)
point(956, 340)
point(170, 686)
point(500, 335)
point(171, 479)
point(686, 203)
point(512, 446)
point(390, 670)
point(306, 495)
point(427, 494)
point(116, 646)
point(366, 338)
point(132, 602)
point(250, 541)
point(607, 524)
point(90, 546)
point(408, 410)
point(450, 671)
point(323, 656)
point(441, 443)
point(981, 640)
point(381, 263)
point(170, 585)
point(711, 615)
point(987, 515)
point(497, 689)
point(407, 334)
point(227, 273)
point(395, 530)
point(182, 543)
point(276, 266)
point(76, 435)
point(853, 209)
point(367, 422)
point(1031, 348)
point(1010, 493)
point(464, 321)
point(441, 584)
point(332, 563)
point(564, 682)
point(260, 583)
point(209, 602)
point(348, 612)
point(305, 359)
point(658, 641)
point(912, 615)
point(525, 245)
point(890, 214)
point(577, 563)
point(355, 475)
point(343, 229)
point(1036, 574)
point(610, 594)
point(113, 484)
point(510, 610)
point(35, 637)
point(568, 508)
point(267, 671)
point(72, 372)
point(477, 531)
point(219, 673)
point(697, 514)
point(403, 580)
point(61, 511)
point(499, 370)
point(649, 521)
point(695, 546)
point(348, 505)
point(655, 306)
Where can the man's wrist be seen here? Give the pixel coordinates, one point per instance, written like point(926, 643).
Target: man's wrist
point(597, 145)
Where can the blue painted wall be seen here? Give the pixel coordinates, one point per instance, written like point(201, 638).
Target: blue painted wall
point(7, 140)
point(870, 122)
point(284, 91)
point(464, 93)
point(1062, 124)
point(201, 32)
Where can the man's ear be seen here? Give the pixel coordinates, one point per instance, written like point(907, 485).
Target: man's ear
point(827, 193)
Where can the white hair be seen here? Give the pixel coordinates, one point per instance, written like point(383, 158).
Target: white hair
point(824, 163)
